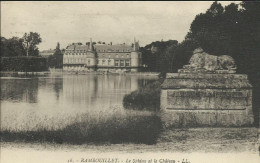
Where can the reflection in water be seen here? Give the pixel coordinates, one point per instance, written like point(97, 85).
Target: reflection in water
point(94, 91)
point(24, 90)
point(69, 91)
point(58, 85)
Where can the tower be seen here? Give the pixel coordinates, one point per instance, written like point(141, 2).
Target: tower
point(135, 57)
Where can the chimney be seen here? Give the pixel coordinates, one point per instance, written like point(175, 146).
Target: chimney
point(90, 45)
point(134, 48)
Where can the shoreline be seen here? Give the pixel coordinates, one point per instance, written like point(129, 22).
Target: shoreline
point(3, 73)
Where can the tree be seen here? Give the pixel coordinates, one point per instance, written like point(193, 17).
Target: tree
point(208, 31)
point(56, 60)
point(30, 42)
point(58, 56)
point(156, 56)
point(57, 50)
point(12, 47)
point(216, 9)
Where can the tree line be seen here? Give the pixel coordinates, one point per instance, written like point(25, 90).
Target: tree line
point(25, 46)
point(21, 54)
point(232, 30)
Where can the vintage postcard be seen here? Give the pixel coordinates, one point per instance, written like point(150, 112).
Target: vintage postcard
point(130, 82)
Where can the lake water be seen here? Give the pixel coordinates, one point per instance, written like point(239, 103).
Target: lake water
point(26, 97)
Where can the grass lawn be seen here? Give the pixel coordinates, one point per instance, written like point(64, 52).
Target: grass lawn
point(218, 140)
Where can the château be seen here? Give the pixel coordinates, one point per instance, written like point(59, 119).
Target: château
point(103, 57)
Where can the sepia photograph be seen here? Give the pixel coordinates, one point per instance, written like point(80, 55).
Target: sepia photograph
point(130, 82)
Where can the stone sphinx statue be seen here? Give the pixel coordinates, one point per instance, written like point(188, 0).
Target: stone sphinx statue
point(206, 92)
point(202, 61)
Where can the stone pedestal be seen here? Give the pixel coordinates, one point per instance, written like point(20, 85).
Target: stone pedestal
point(206, 99)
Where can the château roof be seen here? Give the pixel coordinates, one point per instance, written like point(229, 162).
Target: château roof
point(113, 48)
point(103, 47)
point(77, 47)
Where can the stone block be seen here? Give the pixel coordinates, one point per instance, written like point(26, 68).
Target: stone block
point(199, 99)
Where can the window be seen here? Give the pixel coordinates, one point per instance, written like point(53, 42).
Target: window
point(103, 62)
point(117, 63)
point(122, 63)
point(117, 55)
point(88, 62)
point(127, 63)
point(109, 62)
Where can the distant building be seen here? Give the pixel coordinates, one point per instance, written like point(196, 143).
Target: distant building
point(102, 57)
point(46, 53)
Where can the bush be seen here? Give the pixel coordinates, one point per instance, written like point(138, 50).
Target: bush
point(147, 98)
point(26, 64)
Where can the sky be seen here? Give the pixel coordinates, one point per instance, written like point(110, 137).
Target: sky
point(118, 22)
